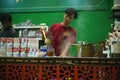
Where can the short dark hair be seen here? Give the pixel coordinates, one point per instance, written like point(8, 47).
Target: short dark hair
point(72, 11)
point(6, 17)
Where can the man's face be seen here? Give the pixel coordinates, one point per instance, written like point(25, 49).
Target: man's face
point(6, 24)
point(68, 19)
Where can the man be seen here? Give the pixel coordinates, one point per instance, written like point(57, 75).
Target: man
point(62, 35)
point(7, 30)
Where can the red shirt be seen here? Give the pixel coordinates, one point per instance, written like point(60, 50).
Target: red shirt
point(60, 35)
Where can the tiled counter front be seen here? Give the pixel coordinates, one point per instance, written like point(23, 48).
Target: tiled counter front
point(56, 68)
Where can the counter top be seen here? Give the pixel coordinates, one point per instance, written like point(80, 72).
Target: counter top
point(60, 60)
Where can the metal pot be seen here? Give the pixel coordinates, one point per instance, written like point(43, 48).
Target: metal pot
point(86, 50)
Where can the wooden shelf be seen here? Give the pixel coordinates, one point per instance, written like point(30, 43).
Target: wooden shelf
point(27, 27)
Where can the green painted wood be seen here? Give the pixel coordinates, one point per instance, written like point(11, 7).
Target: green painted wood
point(51, 5)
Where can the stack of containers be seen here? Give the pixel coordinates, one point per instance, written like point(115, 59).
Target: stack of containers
point(33, 47)
point(2, 47)
point(9, 45)
point(16, 47)
point(23, 45)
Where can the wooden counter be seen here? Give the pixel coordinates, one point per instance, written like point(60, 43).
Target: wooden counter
point(58, 68)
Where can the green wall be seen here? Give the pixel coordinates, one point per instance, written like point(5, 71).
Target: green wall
point(91, 26)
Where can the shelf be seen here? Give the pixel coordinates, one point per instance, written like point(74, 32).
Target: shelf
point(27, 27)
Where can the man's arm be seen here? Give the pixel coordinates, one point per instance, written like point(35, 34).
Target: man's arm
point(70, 40)
point(65, 52)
